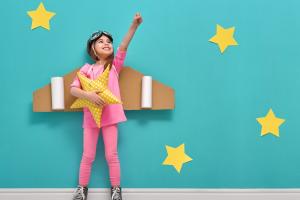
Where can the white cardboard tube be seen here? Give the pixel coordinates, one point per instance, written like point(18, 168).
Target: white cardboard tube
point(57, 93)
point(147, 92)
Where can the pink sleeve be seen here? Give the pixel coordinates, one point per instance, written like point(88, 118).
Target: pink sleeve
point(119, 60)
point(76, 81)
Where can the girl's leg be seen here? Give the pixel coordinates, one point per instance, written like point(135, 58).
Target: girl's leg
point(110, 138)
point(90, 140)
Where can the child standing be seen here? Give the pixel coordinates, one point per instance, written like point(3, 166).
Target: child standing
point(100, 48)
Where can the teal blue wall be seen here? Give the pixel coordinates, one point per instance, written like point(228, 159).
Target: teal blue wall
point(218, 97)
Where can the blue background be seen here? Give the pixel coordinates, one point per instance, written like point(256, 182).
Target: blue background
point(218, 97)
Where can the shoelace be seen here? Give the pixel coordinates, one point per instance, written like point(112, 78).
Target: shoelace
point(116, 194)
point(80, 193)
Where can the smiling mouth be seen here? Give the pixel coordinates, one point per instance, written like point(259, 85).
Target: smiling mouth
point(106, 48)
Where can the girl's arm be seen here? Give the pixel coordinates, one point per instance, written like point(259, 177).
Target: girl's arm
point(137, 20)
point(91, 96)
point(79, 93)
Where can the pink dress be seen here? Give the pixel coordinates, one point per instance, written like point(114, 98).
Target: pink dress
point(113, 113)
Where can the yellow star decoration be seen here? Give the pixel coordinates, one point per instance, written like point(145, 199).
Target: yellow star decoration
point(100, 84)
point(270, 123)
point(176, 157)
point(224, 38)
point(40, 17)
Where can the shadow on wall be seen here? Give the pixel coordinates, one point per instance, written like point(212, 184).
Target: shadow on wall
point(54, 119)
point(147, 116)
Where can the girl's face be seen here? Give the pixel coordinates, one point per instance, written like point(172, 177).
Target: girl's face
point(103, 47)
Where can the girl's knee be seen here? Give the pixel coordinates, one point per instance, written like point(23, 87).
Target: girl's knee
point(88, 158)
point(112, 157)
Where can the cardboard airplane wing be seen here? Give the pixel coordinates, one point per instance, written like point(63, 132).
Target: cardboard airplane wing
point(130, 82)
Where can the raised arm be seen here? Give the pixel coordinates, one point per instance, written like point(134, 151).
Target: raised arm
point(137, 20)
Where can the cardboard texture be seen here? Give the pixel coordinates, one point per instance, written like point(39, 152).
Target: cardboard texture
point(130, 82)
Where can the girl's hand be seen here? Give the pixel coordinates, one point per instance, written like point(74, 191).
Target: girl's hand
point(95, 98)
point(137, 20)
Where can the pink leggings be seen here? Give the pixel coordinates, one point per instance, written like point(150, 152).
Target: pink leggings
point(90, 140)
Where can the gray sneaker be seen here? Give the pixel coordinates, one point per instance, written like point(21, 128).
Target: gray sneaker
point(80, 193)
point(116, 193)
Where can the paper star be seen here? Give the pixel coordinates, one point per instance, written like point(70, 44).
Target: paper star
point(224, 38)
point(176, 157)
point(100, 84)
point(270, 124)
point(40, 17)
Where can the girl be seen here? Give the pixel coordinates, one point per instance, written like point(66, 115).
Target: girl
point(100, 48)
